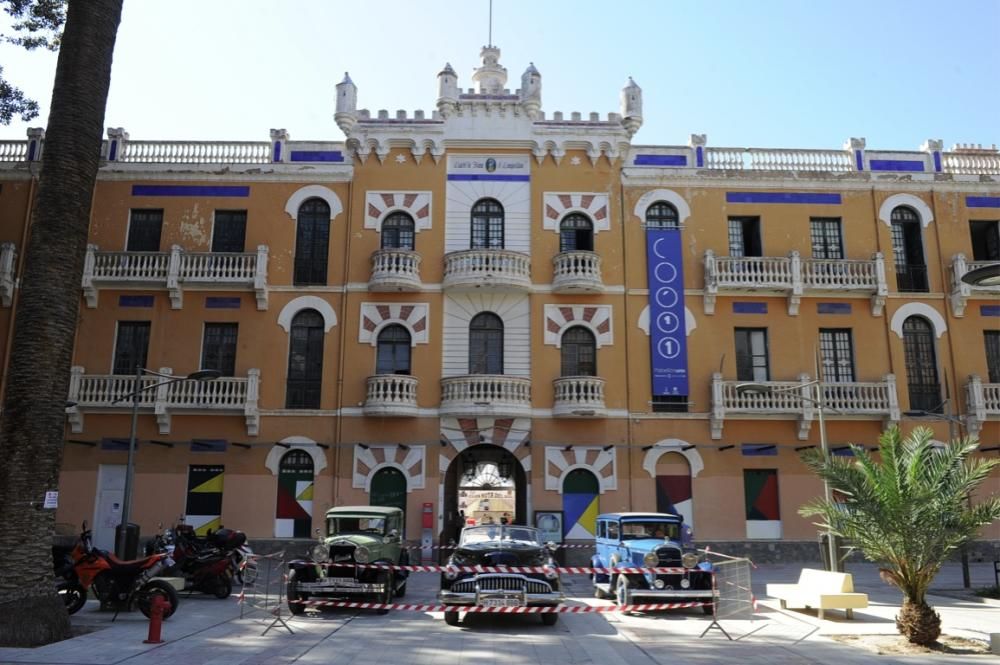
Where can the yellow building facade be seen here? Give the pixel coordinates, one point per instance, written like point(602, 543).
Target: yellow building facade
point(487, 291)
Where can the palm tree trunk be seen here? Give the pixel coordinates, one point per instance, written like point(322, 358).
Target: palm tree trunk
point(33, 422)
point(918, 622)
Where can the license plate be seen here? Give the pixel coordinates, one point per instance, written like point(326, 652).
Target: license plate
point(501, 602)
point(340, 581)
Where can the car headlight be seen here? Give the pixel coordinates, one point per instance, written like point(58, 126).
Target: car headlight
point(689, 560)
point(458, 559)
point(320, 553)
point(650, 560)
point(361, 554)
point(551, 572)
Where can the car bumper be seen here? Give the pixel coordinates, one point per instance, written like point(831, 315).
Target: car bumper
point(500, 598)
point(339, 587)
point(673, 593)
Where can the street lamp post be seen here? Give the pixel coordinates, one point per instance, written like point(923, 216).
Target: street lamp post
point(816, 387)
point(137, 390)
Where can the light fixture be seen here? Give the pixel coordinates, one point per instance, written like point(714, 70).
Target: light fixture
point(364, 446)
point(985, 276)
point(721, 448)
point(608, 447)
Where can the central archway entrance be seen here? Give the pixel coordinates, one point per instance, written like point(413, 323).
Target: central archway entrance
point(486, 483)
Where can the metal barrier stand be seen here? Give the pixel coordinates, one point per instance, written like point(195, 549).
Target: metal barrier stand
point(263, 588)
point(733, 593)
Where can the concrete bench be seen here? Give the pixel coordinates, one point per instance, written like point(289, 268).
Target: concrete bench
point(821, 590)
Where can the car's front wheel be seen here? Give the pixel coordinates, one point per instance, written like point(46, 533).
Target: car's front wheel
point(623, 591)
point(385, 598)
point(598, 591)
point(549, 618)
point(292, 592)
point(451, 618)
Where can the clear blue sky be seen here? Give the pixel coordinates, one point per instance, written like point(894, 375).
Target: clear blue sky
point(758, 73)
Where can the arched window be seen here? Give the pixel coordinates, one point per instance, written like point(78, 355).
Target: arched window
point(581, 504)
point(662, 215)
point(486, 344)
point(293, 515)
point(393, 350)
point(312, 242)
point(388, 488)
point(576, 234)
point(305, 361)
point(921, 365)
point(579, 352)
point(397, 231)
point(908, 250)
point(487, 224)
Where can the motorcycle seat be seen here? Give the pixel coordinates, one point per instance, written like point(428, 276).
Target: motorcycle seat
point(136, 564)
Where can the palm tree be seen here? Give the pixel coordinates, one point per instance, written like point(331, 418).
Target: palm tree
point(907, 512)
point(31, 431)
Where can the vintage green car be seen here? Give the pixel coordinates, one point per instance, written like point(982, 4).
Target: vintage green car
point(354, 535)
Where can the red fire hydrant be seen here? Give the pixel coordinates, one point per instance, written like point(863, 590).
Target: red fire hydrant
point(158, 605)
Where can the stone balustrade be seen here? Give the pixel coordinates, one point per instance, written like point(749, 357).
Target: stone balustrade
point(174, 271)
point(194, 152)
point(962, 292)
point(578, 396)
point(8, 277)
point(794, 276)
point(489, 269)
point(965, 163)
point(982, 403)
point(109, 393)
point(778, 159)
point(395, 270)
point(391, 395)
point(485, 395)
point(856, 399)
point(577, 272)
point(13, 151)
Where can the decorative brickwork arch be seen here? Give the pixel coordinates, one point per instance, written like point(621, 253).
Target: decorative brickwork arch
point(379, 205)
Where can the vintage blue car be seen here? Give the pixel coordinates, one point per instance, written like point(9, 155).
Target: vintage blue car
point(649, 540)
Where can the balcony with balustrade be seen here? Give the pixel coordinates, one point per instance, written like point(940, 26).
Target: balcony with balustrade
point(982, 402)
point(577, 272)
point(485, 395)
point(175, 271)
point(961, 292)
point(578, 397)
point(391, 395)
point(8, 277)
point(110, 393)
point(794, 277)
point(488, 270)
point(395, 270)
point(862, 400)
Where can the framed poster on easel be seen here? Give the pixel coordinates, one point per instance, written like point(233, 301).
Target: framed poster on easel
point(550, 524)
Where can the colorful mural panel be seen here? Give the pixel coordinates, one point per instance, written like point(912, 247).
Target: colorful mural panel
point(293, 515)
point(203, 510)
point(581, 504)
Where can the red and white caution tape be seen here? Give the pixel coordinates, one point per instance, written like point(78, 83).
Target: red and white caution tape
point(562, 546)
point(537, 609)
point(571, 570)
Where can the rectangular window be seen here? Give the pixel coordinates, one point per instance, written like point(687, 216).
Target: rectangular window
point(744, 236)
point(670, 403)
point(131, 345)
point(836, 348)
point(992, 339)
point(985, 240)
point(613, 530)
point(218, 349)
point(751, 355)
point(144, 231)
point(827, 242)
point(230, 231)
point(760, 492)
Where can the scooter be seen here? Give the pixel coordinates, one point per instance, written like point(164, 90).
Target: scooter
point(206, 564)
point(119, 585)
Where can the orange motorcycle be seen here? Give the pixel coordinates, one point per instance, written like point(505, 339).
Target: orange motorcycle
point(119, 585)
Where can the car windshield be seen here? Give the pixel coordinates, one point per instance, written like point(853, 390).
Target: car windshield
point(499, 533)
point(650, 529)
point(371, 525)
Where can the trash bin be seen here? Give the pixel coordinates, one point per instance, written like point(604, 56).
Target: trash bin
point(129, 533)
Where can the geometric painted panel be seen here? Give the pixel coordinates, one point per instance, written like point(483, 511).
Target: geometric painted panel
point(294, 509)
point(581, 505)
point(203, 510)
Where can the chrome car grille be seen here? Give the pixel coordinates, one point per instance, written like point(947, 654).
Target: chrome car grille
point(501, 583)
point(341, 553)
point(669, 556)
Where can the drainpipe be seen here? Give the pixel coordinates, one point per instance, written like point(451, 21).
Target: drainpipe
point(628, 364)
point(338, 430)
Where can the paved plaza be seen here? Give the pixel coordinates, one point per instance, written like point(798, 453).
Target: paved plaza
point(207, 631)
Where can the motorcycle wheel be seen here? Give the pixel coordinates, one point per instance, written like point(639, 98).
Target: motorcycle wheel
point(73, 595)
point(144, 598)
point(223, 587)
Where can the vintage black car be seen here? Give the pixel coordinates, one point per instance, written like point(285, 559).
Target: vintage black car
point(354, 535)
point(501, 545)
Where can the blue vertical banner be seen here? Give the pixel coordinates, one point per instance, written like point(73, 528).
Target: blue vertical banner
point(667, 331)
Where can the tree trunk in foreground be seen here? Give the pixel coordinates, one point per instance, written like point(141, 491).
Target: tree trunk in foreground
point(918, 622)
point(32, 427)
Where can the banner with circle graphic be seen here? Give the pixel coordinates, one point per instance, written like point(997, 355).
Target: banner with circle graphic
point(667, 333)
